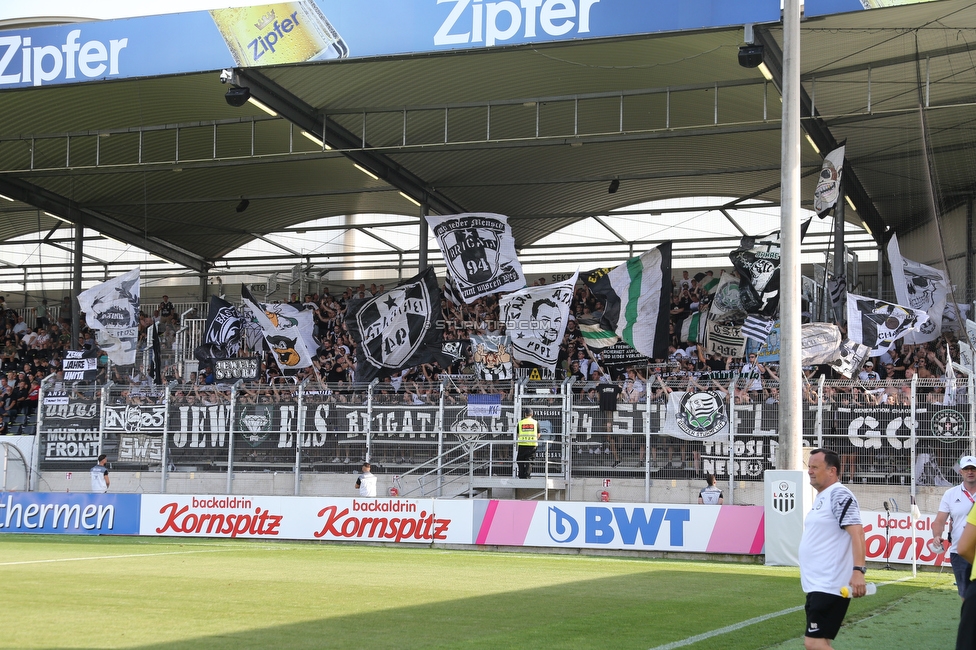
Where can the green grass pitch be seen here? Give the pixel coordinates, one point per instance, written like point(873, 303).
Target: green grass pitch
point(112, 592)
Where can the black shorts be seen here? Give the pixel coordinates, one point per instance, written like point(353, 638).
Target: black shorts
point(825, 613)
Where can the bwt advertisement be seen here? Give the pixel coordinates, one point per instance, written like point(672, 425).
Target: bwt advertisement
point(553, 524)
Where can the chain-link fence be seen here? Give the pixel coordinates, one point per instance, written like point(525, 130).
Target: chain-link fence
point(894, 433)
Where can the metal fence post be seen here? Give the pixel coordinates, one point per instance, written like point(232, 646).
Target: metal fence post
point(163, 469)
point(101, 416)
point(732, 429)
point(647, 443)
point(440, 438)
point(299, 430)
point(818, 423)
point(369, 417)
point(230, 441)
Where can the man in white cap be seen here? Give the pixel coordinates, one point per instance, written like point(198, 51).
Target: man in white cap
point(956, 504)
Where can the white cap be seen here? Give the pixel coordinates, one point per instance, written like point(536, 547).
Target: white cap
point(967, 461)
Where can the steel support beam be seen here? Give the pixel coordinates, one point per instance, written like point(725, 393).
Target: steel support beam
point(818, 131)
point(308, 118)
point(48, 201)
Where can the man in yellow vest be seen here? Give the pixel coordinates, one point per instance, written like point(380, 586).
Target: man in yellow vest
point(528, 440)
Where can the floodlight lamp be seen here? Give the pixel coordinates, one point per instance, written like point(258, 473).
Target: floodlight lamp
point(750, 56)
point(238, 96)
point(614, 186)
point(242, 206)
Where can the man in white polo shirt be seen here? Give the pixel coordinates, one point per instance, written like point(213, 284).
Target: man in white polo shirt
point(831, 551)
point(956, 504)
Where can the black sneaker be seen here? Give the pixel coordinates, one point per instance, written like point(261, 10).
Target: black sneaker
point(616, 462)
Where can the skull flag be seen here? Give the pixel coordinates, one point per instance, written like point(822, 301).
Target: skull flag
point(920, 287)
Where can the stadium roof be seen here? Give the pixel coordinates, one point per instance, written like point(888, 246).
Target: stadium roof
point(536, 132)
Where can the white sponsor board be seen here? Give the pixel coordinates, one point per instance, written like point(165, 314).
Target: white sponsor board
point(418, 521)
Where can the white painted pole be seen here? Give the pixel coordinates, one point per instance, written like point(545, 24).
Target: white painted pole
point(791, 395)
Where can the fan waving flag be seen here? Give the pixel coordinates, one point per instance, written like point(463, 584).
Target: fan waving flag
point(535, 318)
point(397, 329)
point(828, 187)
point(920, 287)
point(757, 260)
point(636, 300)
point(222, 339)
point(112, 308)
point(595, 337)
point(281, 332)
point(479, 251)
point(878, 324)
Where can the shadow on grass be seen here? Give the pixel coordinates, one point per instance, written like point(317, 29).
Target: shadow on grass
point(634, 611)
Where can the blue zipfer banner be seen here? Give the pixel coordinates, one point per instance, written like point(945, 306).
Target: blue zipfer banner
point(316, 30)
point(69, 513)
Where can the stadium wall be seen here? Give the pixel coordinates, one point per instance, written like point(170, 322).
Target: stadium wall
point(672, 528)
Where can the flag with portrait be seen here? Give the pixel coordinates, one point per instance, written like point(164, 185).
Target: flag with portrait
point(492, 356)
point(112, 309)
point(479, 251)
point(535, 318)
point(397, 329)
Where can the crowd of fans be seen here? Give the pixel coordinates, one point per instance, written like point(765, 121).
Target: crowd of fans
point(31, 353)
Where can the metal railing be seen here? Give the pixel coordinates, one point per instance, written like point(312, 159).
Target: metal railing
point(898, 433)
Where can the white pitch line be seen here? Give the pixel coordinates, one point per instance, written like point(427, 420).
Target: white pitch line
point(108, 557)
point(726, 629)
point(738, 626)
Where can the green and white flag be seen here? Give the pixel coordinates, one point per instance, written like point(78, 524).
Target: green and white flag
point(691, 328)
point(595, 337)
point(636, 300)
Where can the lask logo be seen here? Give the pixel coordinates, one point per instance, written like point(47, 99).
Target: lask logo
point(40, 64)
point(562, 527)
point(784, 497)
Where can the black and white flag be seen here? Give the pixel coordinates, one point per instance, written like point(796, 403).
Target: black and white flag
point(282, 332)
point(851, 357)
point(878, 324)
point(757, 260)
point(837, 286)
point(492, 357)
point(757, 328)
point(222, 339)
point(696, 416)
point(112, 308)
point(536, 318)
point(451, 291)
point(155, 357)
point(920, 287)
point(80, 365)
point(819, 343)
point(479, 250)
point(828, 187)
point(397, 329)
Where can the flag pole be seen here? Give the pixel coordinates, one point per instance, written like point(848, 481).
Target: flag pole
point(790, 442)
